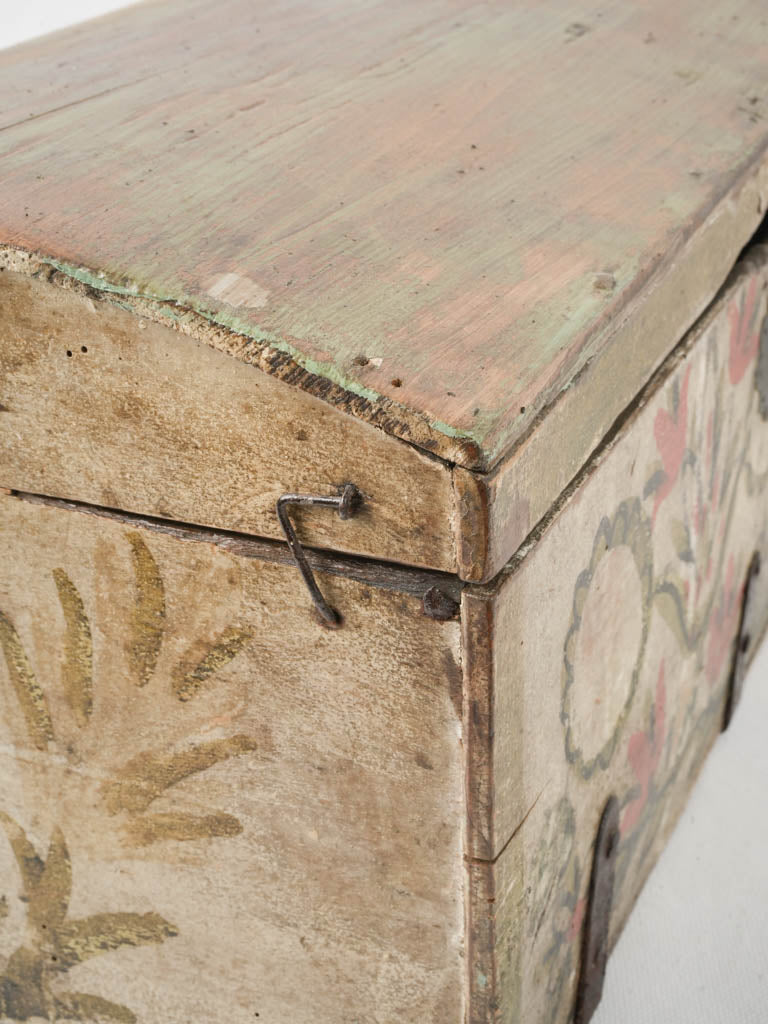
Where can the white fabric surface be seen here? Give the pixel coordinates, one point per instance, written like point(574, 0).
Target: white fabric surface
point(695, 950)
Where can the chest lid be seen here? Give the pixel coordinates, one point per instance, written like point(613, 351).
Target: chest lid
point(473, 228)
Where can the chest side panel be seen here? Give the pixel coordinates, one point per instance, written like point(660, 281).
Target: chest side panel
point(213, 807)
point(102, 406)
point(613, 644)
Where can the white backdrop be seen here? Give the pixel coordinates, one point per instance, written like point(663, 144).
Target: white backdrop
point(696, 948)
point(23, 19)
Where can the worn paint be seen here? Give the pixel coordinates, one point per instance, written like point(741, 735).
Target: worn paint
point(609, 673)
point(257, 813)
point(189, 677)
point(463, 250)
point(31, 698)
point(31, 982)
point(151, 420)
point(177, 827)
point(237, 290)
point(172, 308)
point(147, 776)
point(148, 613)
point(77, 669)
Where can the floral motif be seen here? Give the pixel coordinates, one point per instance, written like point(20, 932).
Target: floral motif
point(703, 440)
point(556, 908)
point(745, 331)
point(670, 430)
point(689, 587)
point(628, 528)
point(644, 754)
point(31, 980)
point(57, 942)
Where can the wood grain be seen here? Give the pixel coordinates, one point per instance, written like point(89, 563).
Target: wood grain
point(507, 504)
point(437, 215)
point(102, 407)
point(612, 636)
point(263, 819)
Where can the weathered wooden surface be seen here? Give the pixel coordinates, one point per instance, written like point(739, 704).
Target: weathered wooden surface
point(610, 646)
point(437, 215)
point(102, 407)
point(509, 502)
point(213, 808)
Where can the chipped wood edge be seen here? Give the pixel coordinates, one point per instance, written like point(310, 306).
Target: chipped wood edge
point(471, 521)
point(653, 317)
point(229, 477)
point(495, 511)
point(389, 416)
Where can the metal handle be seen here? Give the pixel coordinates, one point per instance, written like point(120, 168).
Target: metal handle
point(347, 503)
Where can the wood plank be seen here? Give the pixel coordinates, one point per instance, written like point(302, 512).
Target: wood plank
point(168, 34)
point(612, 641)
point(235, 811)
point(504, 507)
point(435, 214)
point(140, 418)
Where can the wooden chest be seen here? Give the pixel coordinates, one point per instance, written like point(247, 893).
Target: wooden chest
point(478, 276)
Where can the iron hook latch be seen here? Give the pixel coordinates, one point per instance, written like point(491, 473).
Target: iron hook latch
point(347, 503)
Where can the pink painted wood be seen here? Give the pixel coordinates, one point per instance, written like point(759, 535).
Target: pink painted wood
point(441, 212)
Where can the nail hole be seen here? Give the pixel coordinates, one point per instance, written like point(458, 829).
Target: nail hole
point(69, 353)
point(83, 348)
point(396, 382)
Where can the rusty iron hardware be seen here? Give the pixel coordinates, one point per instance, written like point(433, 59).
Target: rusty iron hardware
point(594, 947)
point(346, 503)
point(741, 646)
point(438, 605)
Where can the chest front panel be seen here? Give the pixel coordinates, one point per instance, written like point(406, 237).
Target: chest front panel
point(213, 807)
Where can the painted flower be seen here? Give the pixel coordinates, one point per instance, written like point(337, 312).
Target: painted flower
point(556, 903)
point(709, 463)
point(620, 573)
point(56, 942)
point(644, 754)
point(126, 807)
point(745, 333)
point(670, 430)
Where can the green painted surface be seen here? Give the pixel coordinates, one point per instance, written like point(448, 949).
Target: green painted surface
point(440, 208)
